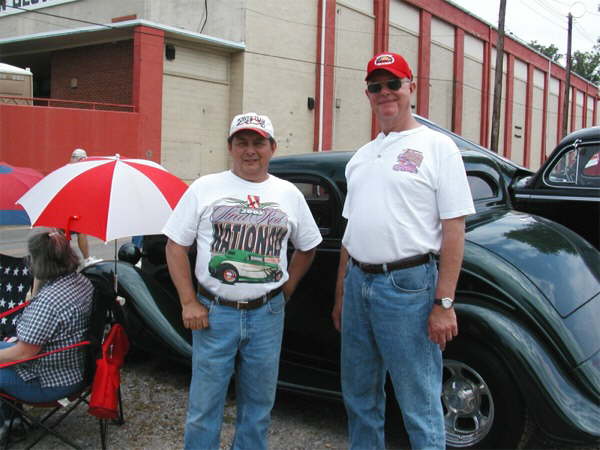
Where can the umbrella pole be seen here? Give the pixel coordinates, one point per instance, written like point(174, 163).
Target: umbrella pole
point(115, 277)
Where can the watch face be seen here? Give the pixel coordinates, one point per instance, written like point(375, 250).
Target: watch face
point(447, 302)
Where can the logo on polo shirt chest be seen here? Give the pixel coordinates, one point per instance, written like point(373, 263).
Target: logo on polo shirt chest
point(408, 160)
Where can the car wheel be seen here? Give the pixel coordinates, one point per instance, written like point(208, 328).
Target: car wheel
point(278, 275)
point(483, 407)
point(228, 274)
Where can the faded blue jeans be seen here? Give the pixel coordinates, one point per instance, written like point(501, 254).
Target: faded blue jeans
point(247, 343)
point(384, 329)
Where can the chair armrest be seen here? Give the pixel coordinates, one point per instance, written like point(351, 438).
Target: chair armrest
point(41, 355)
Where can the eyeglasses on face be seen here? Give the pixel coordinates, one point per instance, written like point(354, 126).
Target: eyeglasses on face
point(393, 85)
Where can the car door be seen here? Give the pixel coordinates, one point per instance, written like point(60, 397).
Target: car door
point(567, 189)
point(311, 343)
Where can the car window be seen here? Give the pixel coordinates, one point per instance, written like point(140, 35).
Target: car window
point(591, 166)
point(481, 188)
point(579, 167)
point(319, 201)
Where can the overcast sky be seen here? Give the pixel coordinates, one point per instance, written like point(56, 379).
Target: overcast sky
point(544, 21)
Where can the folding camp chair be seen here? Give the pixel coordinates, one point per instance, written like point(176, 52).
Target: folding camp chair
point(101, 319)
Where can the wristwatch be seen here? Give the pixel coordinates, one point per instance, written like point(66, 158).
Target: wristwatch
point(445, 302)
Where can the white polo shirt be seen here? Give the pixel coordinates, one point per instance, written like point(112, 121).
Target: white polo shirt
point(400, 186)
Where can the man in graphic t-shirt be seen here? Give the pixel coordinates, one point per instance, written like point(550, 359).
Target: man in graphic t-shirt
point(241, 221)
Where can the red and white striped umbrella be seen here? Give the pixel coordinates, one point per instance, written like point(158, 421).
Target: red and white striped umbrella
point(105, 197)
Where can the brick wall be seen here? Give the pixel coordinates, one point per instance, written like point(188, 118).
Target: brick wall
point(102, 73)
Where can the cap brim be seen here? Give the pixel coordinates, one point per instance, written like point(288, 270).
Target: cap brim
point(397, 74)
point(263, 133)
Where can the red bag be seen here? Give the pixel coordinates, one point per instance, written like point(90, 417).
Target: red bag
point(104, 401)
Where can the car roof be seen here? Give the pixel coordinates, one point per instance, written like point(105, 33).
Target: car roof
point(332, 163)
point(585, 134)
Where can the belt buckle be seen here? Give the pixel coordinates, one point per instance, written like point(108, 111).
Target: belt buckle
point(241, 302)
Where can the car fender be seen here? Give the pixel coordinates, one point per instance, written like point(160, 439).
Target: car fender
point(542, 381)
point(158, 310)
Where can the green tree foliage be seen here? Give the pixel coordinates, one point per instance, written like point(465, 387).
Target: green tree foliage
point(587, 64)
point(551, 51)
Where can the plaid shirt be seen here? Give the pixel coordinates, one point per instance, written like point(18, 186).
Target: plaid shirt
point(57, 316)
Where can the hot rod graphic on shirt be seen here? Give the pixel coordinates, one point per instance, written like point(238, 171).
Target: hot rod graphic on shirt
point(247, 241)
point(240, 265)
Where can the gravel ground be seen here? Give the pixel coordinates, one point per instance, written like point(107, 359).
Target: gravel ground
point(155, 397)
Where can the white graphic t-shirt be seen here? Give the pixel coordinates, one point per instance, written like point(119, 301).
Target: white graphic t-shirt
point(242, 229)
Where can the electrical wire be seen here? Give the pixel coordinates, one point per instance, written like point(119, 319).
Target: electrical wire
point(205, 16)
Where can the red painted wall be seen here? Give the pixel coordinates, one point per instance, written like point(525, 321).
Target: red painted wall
point(103, 73)
point(44, 137)
point(147, 78)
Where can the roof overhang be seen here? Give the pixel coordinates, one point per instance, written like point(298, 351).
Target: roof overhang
point(102, 33)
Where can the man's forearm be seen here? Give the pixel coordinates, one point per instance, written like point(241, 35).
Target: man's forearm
point(180, 271)
point(451, 256)
point(339, 285)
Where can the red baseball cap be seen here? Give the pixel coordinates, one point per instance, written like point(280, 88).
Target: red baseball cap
point(392, 62)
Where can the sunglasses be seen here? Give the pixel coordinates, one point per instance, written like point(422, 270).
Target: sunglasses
point(393, 85)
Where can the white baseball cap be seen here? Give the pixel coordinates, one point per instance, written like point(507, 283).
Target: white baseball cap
point(78, 154)
point(252, 121)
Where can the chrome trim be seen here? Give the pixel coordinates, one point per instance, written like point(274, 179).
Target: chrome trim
point(558, 197)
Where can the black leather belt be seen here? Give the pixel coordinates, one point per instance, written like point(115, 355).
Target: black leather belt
point(411, 261)
point(252, 303)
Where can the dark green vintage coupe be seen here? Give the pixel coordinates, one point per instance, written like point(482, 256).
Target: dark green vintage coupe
point(528, 305)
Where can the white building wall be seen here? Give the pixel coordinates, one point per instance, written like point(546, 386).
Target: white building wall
point(404, 33)
point(518, 115)
point(226, 18)
point(441, 76)
point(353, 48)
point(279, 69)
point(578, 110)
point(473, 78)
point(194, 122)
point(537, 118)
point(552, 124)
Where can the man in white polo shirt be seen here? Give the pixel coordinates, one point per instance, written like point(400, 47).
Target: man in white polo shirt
point(407, 200)
point(240, 221)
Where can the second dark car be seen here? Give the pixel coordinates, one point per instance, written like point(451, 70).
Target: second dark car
point(566, 188)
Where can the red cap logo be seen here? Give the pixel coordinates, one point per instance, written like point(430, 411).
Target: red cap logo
point(383, 60)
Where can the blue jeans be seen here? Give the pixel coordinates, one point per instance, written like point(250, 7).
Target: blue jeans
point(384, 329)
point(249, 343)
point(28, 391)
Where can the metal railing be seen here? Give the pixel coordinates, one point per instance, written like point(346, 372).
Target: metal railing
point(59, 103)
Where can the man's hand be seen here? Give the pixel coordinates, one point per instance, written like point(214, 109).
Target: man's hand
point(299, 265)
point(194, 315)
point(336, 313)
point(442, 326)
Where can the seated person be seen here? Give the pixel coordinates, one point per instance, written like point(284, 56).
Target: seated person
point(57, 316)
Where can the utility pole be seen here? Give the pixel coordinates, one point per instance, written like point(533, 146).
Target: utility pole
point(498, 79)
point(565, 122)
